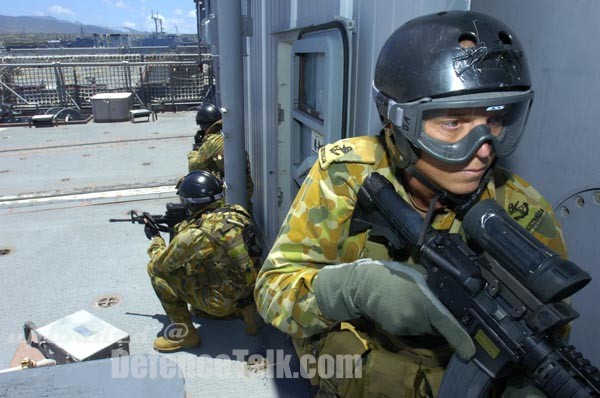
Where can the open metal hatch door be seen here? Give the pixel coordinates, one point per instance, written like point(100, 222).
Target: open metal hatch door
point(320, 86)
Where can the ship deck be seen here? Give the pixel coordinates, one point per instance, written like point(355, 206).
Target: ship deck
point(59, 254)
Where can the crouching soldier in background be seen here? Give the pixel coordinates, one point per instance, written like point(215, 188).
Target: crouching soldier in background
point(207, 152)
point(209, 264)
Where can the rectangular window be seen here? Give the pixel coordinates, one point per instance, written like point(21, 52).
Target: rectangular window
point(310, 84)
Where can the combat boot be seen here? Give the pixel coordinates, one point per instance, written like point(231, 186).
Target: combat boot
point(254, 322)
point(177, 336)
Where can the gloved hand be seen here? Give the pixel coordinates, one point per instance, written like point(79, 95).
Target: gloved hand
point(521, 387)
point(151, 231)
point(198, 138)
point(392, 294)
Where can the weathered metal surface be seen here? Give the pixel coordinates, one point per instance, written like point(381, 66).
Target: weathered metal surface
point(155, 377)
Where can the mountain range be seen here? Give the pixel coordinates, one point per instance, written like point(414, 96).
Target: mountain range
point(48, 24)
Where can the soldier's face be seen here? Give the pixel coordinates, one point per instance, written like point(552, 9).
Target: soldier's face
point(462, 178)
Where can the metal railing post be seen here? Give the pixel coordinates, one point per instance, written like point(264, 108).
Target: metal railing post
point(60, 84)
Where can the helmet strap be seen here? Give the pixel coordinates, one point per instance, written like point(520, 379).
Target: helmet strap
point(401, 151)
point(215, 127)
point(457, 203)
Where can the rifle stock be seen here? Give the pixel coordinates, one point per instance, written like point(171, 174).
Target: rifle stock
point(507, 294)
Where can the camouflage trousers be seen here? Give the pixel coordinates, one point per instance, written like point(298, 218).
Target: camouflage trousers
point(376, 372)
point(179, 288)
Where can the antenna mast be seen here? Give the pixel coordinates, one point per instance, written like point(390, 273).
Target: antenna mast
point(156, 19)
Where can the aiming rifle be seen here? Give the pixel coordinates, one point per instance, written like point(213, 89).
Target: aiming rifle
point(174, 214)
point(505, 288)
point(198, 138)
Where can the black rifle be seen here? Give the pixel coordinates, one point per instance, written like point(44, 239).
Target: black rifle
point(174, 214)
point(507, 292)
point(198, 138)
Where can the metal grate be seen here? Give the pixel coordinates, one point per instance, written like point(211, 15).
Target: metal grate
point(48, 81)
point(107, 301)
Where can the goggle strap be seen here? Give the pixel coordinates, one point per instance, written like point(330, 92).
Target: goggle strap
point(197, 201)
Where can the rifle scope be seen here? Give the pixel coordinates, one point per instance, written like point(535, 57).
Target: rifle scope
point(548, 276)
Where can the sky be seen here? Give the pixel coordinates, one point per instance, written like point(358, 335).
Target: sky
point(178, 16)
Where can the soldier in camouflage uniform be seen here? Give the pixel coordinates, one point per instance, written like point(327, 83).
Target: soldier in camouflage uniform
point(209, 264)
point(207, 152)
point(452, 102)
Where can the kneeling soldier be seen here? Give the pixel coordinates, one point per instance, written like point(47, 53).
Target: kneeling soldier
point(209, 264)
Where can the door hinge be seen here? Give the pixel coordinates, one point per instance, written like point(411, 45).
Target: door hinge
point(280, 114)
point(279, 197)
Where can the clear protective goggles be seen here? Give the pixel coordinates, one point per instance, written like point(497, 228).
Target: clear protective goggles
point(200, 201)
point(452, 129)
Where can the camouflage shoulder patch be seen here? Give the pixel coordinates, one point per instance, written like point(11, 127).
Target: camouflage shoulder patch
point(349, 150)
point(522, 202)
point(533, 212)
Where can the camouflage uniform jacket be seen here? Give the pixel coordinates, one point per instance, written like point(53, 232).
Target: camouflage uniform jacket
point(210, 157)
point(210, 246)
point(315, 232)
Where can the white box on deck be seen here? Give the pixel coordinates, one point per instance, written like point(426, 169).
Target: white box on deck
point(82, 336)
point(111, 107)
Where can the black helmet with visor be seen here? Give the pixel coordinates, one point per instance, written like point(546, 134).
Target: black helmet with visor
point(435, 65)
point(207, 114)
point(199, 189)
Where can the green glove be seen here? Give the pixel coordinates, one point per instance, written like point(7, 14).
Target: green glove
point(392, 294)
point(521, 387)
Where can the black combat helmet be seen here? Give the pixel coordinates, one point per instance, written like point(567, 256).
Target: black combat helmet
point(198, 189)
point(207, 115)
point(455, 59)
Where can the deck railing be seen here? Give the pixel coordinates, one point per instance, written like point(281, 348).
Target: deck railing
point(71, 80)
